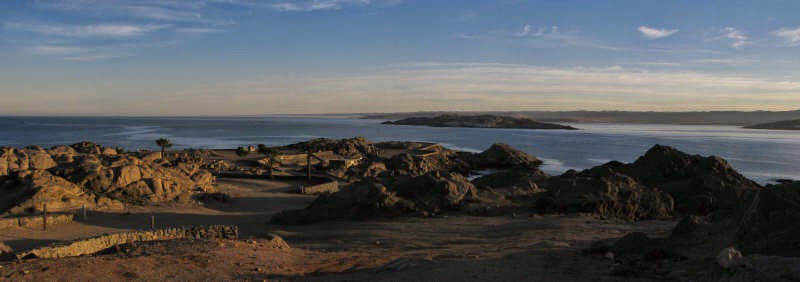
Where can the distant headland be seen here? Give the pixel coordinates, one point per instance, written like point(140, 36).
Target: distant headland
point(779, 125)
point(479, 121)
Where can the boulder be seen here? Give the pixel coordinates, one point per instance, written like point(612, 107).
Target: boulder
point(501, 155)
point(611, 196)
point(40, 159)
point(108, 151)
point(769, 223)
point(514, 179)
point(6, 252)
point(12, 159)
point(699, 185)
point(86, 147)
point(730, 258)
point(419, 163)
point(435, 191)
point(151, 157)
point(352, 147)
point(27, 191)
point(361, 200)
point(62, 154)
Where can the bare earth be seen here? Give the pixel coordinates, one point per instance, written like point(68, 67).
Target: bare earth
point(525, 247)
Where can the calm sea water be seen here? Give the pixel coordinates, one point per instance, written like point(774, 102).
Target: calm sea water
point(761, 155)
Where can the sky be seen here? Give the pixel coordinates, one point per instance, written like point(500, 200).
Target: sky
point(251, 57)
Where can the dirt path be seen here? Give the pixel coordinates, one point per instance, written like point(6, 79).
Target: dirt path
point(252, 201)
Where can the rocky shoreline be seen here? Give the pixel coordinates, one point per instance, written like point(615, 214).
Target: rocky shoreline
point(478, 121)
point(721, 215)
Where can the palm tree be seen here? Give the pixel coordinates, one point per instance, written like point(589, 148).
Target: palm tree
point(164, 143)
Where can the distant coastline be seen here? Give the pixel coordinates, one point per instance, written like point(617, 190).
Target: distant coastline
point(733, 118)
point(778, 125)
point(479, 121)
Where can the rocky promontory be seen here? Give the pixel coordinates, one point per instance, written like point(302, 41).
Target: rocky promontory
point(479, 121)
point(778, 125)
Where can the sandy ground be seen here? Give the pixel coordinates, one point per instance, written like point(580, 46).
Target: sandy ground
point(525, 247)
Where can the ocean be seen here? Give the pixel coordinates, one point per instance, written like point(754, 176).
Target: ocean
point(762, 155)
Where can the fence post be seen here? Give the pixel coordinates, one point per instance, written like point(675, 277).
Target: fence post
point(44, 216)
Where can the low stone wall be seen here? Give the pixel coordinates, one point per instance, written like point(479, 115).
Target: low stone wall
point(327, 187)
point(35, 221)
point(96, 244)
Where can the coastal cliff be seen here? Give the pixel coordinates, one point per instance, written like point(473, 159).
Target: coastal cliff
point(480, 121)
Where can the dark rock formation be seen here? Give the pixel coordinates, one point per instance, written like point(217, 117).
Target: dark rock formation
point(778, 125)
point(433, 158)
point(352, 147)
point(612, 196)
point(428, 194)
point(503, 156)
point(699, 185)
point(362, 200)
point(662, 183)
point(481, 121)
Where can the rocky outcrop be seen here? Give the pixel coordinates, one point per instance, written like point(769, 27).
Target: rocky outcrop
point(514, 179)
point(12, 159)
point(752, 241)
point(362, 200)
point(503, 156)
point(769, 223)
point(87, 147)
point(664, 182)
point(27, 191)
point(427, 194)
point(699, 185)
point(479, 121)
point(86, 174)
point(609, 196)
point(436, 191)
point(435, 158)
point(352, 147)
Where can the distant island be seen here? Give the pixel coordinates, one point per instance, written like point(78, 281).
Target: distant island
point(779, 125)
point(479, 121)
point(737, 118)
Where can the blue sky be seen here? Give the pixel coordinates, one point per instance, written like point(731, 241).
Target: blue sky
point(236, 57)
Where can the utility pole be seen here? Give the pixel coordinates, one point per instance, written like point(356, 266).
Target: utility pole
point(308, 165)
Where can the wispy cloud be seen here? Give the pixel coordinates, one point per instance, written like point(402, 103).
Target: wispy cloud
point(306, 5)
point(198, 30)
point(789, 35)
point(423, 86)
point(656, 33)
point(738, 38)
point(87, 31)
point(56, 50)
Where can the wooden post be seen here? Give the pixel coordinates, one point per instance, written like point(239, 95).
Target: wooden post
point(44, 217)
point(83, 211)
point(308, 166)
point(153, 222)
